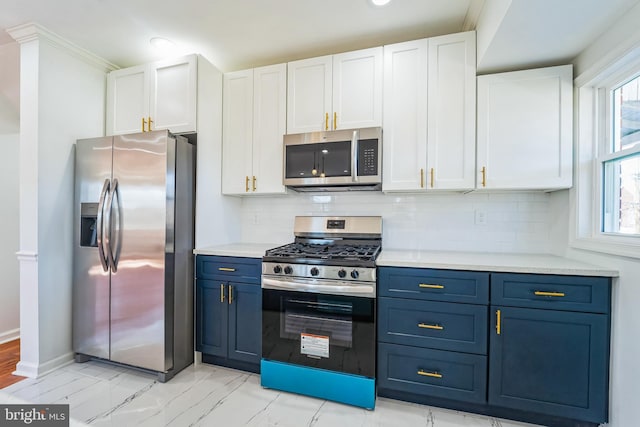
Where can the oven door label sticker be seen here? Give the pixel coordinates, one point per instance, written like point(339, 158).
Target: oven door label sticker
point(315, 346)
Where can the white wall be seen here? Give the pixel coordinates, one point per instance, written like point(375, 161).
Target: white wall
point(9, 214)
point(62, 98)
point(9, 237)
point(515, 222)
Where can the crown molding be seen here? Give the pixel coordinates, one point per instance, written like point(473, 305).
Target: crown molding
point(31, 31)
point(473, 13)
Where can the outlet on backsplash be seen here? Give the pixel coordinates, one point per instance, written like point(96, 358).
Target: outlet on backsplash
point(480, 217)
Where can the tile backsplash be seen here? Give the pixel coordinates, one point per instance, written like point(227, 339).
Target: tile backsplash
point(481, 222)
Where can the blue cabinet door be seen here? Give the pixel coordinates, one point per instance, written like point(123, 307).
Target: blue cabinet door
point(245, 322)
point(550, 362)
point(211, 317)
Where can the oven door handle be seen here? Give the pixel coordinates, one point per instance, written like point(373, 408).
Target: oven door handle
point(301, 285)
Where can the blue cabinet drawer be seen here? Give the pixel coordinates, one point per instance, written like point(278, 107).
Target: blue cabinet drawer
point(572, 293)
point(436, 373)
point(227, 268)
point(436, 285)
point(433, 324)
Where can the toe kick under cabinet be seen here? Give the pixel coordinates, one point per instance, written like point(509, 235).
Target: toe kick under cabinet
point(527, 347)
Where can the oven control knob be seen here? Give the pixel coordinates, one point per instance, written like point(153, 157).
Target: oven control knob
point(314, 271)
point(277, 269)
point(288, 270)
point(355, 274)
point(342, 273)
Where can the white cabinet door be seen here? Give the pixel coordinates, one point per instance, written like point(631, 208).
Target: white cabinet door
point(173, 94)
point(357, 89)
point(164, 93)
point(404, 141)
point(309, 95)
point(269, 126)
point(451, 117)
point(127, 100)
point(237, 132)
point(525, 129)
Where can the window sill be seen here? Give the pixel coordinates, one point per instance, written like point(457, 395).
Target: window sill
point(609, 245)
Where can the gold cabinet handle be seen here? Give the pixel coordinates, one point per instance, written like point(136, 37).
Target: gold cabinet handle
point(254, 183)
point(335, 120)
point(226, 269)
point(144, 122)
point(421, 178)
point(326, 121)
point(246, 184)
point(430, 286)
point(230, 294)
point(221, 292)
point(429, 374)
point(150, 121)
point(428, 326)
point(484, 176)
point(548, 294)
point(431, 177)
point(498, 322)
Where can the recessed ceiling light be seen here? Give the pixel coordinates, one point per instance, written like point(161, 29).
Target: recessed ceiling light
point(380, 2)
point(162, 44)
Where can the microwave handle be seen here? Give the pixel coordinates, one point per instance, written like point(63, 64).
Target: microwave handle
point(354, 156)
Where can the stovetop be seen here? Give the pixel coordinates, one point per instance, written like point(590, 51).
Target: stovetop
point(361, 254)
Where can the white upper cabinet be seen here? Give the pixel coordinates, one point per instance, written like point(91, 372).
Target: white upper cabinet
point(341, 91)
point(160, 95)
point(525, 129)
point(404, 139)
point(429, 114)
point(254, 122)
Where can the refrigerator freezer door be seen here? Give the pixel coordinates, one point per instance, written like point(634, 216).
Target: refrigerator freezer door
point(90, 279)
point(141, 223)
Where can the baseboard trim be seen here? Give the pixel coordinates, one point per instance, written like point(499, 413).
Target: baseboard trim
point(31, 370)
point(11, 335)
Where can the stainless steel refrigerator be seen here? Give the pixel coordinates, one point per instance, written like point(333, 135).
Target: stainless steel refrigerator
point(133, 251)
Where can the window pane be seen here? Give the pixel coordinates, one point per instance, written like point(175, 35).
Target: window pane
point(626, 115)
point(622, 195)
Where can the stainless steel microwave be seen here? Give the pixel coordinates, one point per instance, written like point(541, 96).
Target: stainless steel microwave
point(338, 160)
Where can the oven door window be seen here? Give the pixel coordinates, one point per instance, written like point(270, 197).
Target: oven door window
point(323, 331)
point(318, 160)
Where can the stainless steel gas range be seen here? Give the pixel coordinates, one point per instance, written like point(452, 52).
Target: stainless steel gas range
point(318, 310)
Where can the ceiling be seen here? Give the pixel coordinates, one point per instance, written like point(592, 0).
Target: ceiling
point(237, 34)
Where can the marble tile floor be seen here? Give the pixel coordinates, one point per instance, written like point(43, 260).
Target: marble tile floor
point(102, 394)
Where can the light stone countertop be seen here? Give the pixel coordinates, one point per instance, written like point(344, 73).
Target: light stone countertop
point(245, 250)
point(496, 262)
point(472, 261)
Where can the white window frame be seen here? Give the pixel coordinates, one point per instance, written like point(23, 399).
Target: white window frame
point(593, 142)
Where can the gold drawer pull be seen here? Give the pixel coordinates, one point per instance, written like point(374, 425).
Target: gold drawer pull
point(427, 326)
point(226, 269)
point(221, 292)
point(548, 294)
point(230, 294)
point(429, 374)
point(498, 322)
point(430, 286)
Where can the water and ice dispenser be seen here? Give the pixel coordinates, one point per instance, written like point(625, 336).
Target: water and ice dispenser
point(89, 224)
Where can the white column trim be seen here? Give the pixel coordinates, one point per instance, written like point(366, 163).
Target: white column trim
point(31, 31)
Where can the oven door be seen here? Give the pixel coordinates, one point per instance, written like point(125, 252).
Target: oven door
point(332, 332)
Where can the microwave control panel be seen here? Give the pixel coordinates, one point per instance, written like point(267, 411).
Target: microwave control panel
point(368, 157)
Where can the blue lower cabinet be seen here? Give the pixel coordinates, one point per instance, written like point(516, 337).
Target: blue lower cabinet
point(436, 373)
point(527, 347)
point(550, 362)
point(211, 318)
point(229, 311)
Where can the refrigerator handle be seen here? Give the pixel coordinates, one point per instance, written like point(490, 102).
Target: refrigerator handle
point(100, 226)
point(113, 250)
